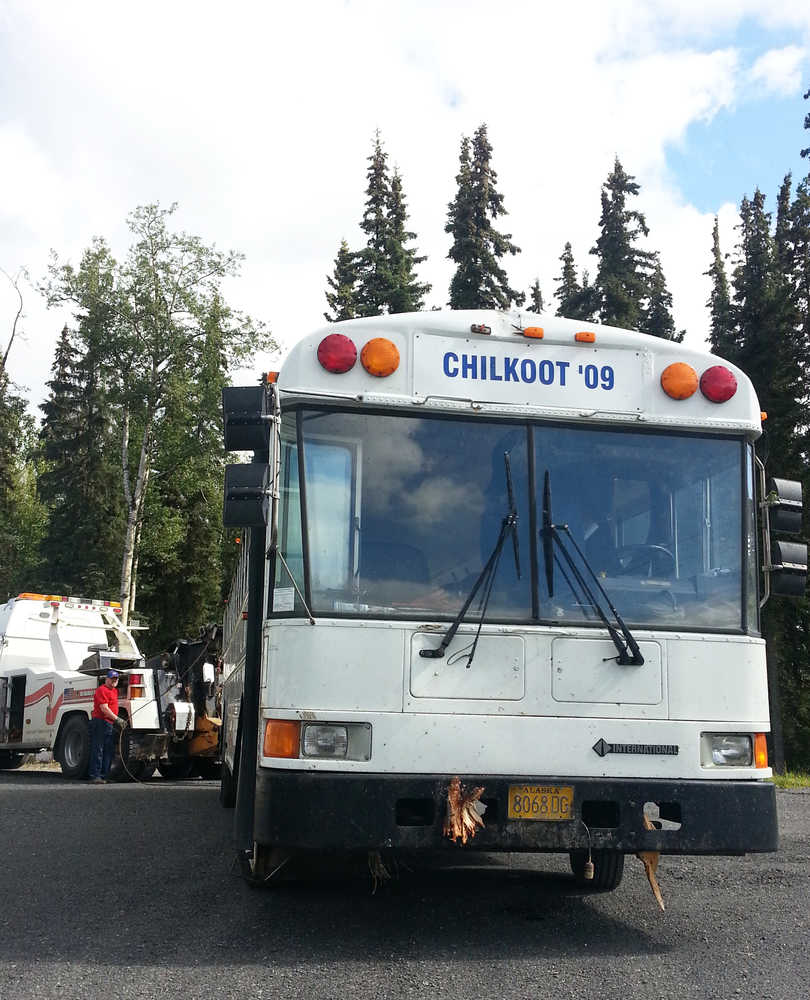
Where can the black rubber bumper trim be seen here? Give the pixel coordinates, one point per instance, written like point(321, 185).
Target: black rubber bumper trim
point(327, 811)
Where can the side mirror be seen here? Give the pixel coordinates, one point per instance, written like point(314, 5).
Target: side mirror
point(784, 501)
point(246, 495)
point(245, 418)
point(788, 569)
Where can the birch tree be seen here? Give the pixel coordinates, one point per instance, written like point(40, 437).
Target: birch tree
point(155, 309)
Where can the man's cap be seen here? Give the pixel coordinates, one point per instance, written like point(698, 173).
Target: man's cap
point(112, 673)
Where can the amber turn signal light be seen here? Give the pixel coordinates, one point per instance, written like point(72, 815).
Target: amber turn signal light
point(282, 738)
point(760, 750)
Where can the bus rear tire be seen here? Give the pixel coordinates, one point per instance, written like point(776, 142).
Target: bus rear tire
point(10, 761)
point(608, 868)
point(74, 747)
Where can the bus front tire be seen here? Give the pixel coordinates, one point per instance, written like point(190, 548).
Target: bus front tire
point(608, 868)
point(265, 865)
point(74, 747)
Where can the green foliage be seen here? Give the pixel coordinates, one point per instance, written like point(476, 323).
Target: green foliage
point(382, 275)
point(621, 285)
point(657, 318)
point(407, 293)
point(141, 397)
point(373, 266)
point(479, 282)
point(722, 332)
point(342, 300)
point(535, 298)
point(574, 301)
point(22, 515)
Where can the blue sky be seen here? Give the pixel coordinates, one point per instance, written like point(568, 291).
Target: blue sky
point(258, 118)
point(752, 144)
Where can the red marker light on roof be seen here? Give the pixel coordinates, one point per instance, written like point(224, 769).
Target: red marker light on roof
point(337, 353)
point(718, 384)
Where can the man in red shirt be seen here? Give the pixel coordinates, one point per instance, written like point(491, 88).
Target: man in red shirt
point(105, 715)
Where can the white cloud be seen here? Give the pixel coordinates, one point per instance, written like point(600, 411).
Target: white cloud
point(259, 121)
point(779, 71)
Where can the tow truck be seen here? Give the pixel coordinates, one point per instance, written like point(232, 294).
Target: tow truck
point(54, 652)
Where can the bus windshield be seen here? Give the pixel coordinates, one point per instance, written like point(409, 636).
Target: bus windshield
point(402, 512)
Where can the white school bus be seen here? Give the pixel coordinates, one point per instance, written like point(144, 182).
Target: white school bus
point(501, 591)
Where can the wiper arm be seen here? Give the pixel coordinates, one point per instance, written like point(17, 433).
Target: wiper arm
point(627, 648)
point(486, 577)
point(626, 645)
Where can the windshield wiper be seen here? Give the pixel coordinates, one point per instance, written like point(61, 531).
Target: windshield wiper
point(627, 648)
point(486, 578)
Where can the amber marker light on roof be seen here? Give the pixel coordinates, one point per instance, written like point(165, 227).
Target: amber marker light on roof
point(380, 357)
point(585, 337)
point(679, 380)
point(535, 332)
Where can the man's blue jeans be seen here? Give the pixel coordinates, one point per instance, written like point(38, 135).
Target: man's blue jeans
point(101, 748)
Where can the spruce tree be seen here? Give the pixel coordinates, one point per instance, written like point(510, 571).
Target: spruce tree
point(22, 515)
point(770, 349)
point(574, 301)
point(407, 293)
point(657, 318)
point(79, 478)
point(375, 281)
point(342, 300)
point(535, 298)
point(479, 281)
point(722, 331)
point(621, 284)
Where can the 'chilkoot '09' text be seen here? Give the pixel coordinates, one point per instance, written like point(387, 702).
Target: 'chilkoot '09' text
point(488, 368)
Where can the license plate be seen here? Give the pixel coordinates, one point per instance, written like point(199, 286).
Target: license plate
point(541, 802)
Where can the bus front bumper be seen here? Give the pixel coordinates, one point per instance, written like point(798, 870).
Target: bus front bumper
point(310, 810)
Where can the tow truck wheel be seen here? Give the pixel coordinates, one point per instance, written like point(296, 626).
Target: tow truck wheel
point(176, 770)
point(74, 747)
point(10, 761)
point(208, 768)
point(608, 868)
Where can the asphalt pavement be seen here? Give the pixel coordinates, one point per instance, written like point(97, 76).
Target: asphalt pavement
point(131, 891)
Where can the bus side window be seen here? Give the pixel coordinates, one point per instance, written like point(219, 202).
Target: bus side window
point(330, 520)
point(289, 522)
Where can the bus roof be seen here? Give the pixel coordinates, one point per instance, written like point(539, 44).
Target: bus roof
point(520, 364)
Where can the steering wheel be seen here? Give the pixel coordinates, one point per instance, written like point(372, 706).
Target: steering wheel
point(646, 560)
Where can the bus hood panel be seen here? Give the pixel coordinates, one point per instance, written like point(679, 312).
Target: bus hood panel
point(497, 672)
point(585, 671)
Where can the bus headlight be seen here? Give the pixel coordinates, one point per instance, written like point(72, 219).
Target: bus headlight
point(335, 741)
point(727, 750)
point(325, 741)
